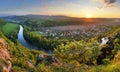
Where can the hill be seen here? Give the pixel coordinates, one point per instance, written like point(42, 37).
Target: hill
point(19, 18)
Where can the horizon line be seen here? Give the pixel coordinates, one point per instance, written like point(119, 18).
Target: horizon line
point(5, 15)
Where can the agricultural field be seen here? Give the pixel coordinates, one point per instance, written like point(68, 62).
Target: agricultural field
point(9, 28)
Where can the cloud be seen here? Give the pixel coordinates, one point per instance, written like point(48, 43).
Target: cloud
point(106, 3)
point(109, 1)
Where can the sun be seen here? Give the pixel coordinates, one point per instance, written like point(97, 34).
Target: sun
point(88, 15)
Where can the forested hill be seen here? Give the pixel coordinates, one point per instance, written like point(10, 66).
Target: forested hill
point(30, 16)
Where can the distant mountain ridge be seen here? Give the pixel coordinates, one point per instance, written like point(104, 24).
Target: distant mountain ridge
point(19, 18)
point(4, 15)
point(36, 16)
point(47, 16)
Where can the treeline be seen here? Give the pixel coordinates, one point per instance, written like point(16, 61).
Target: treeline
point(43, 42)
point(38, 23)
point(2, 22)
point(49, 23)
point(13, 36)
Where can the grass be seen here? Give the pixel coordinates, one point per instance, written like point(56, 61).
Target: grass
point(9, 28)
point(38, 33)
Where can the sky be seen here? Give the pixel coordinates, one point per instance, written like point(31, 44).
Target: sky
point(72, 8)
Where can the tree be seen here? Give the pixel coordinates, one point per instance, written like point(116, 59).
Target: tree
point(2, 22)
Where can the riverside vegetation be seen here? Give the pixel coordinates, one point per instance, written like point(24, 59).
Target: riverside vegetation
point(73, 50)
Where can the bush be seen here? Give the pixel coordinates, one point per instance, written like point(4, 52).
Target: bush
point(106, 61)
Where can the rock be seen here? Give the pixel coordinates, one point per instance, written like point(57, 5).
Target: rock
point(40, 56)
point(117, 35)
point(5, 65)
point(107, 46)
point(47, 59)
point(104, 41)
point(29, 64)
point(40, 59)
point(4, 54)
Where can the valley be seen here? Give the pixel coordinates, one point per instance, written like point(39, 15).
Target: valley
point(85, 45)
point(59, 35)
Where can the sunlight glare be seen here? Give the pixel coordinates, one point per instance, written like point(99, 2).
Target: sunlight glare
point(88, 15)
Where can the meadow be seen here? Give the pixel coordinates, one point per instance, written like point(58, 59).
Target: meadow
point(9, 28)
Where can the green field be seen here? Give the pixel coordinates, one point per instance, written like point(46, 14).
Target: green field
point(9, 28)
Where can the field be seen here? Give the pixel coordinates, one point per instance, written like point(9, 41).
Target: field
point(9, 28)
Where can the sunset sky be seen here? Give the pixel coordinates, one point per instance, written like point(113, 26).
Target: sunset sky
point(73, 8)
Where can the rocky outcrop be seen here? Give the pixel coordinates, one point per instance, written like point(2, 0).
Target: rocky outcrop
point(5, 64)
point(29, 64)
point(107, 49)
point(47, 59)
point(104, 41)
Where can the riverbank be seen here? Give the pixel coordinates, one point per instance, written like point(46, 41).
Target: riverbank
point(25, 43)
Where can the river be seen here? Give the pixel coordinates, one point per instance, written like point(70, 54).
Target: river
point(25, 43)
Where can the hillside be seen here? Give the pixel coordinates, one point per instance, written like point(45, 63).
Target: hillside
point(5, 63)
point(67, 57)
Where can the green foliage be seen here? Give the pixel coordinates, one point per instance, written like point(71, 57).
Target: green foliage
point(106, 61)
point(18, 69)
point(116, 45)
point(38, 23)
point(81, 51)
point(10, 30)
point(107, 68)
point(2, 22)
point(42, 41)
